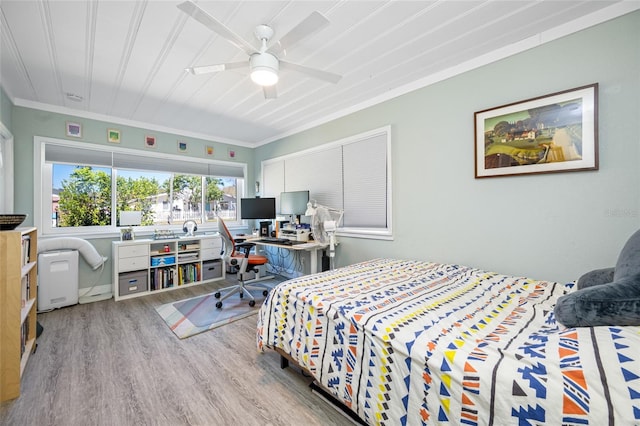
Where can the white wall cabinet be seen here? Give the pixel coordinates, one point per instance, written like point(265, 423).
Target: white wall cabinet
point(142, 267)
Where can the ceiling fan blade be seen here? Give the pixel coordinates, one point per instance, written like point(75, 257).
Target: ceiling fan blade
point(312, 72)
point(197, 13)
point(206, 69)
point(312, 23)
point(270, 92)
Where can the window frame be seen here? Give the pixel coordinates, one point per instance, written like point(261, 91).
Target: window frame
point(43, 183)
point(381, 233)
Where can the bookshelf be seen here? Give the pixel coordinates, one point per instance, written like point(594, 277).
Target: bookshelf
point(18, 293)
point(143, 267)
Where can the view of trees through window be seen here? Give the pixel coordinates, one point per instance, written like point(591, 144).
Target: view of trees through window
point(82, 196)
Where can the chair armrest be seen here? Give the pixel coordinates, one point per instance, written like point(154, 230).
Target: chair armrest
point(245, 248)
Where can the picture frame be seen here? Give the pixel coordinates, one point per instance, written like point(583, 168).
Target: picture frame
point(557, 132)
point(126, 234)
point(182, 146)
point(208, 150)
point(232, 153)
point(150, 141)
point(113, 135)
point(73, 129)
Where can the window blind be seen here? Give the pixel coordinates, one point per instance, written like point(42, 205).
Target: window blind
point(320, 172)
point(365, 183)
point(64, 154)
point(353, 175)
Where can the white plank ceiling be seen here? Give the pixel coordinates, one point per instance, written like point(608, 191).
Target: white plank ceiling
point(124, 61)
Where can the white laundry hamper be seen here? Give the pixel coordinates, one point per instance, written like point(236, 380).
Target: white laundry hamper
point(57, 279)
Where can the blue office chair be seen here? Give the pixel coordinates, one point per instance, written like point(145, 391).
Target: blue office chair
point(239, 256)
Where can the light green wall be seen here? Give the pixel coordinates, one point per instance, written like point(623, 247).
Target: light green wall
point(553, 226)
point(28, 123)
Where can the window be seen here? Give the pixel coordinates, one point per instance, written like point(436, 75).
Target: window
point(353, 174)
point(84, 189)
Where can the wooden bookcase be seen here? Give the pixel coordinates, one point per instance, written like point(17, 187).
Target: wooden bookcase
point(18, 295)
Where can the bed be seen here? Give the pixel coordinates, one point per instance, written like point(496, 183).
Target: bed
point(413, 342)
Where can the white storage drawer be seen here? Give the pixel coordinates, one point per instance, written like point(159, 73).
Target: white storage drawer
point(133, 250)
point(133, 263)
point(208, 254)
point(211, 243)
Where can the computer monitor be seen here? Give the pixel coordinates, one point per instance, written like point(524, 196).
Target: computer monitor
point(294, 202)
point(257, 208)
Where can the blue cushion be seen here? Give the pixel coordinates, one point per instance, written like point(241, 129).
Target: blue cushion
point(606, 296)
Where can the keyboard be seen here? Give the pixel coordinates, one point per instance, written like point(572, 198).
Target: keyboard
point(274, 240)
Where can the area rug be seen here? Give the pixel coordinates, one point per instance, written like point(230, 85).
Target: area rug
point(193, 316)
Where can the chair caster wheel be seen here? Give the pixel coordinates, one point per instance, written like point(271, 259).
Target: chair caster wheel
point(252, 303)
point(241, 295)
point(265, 292)
point(219, 305)
point(216, 295)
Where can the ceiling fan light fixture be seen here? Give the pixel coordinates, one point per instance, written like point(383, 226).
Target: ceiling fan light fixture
point(264, 76)
point(264, 69)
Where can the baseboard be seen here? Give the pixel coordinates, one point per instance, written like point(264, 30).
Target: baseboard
point(96, 294)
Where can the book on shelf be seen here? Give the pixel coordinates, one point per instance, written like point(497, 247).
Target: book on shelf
point(189, 273)
point(26, 249)
point(161, 278)
point(24, 337)
point(25, 290)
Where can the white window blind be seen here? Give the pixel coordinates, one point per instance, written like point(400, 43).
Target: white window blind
point(319, 172)
point(55, 153)
point(365, 183)
point(353, 174)
point(272, 179)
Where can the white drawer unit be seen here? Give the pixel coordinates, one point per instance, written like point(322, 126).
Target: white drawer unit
point(208, 254)
point(162, 265)
point(133, 250)
point(212, 243)
point(132, 263)
point(211, 249)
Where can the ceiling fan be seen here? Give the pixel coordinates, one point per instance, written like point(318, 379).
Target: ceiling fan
point(265, 62)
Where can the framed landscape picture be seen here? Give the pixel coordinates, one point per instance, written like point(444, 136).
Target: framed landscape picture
point(552, 133)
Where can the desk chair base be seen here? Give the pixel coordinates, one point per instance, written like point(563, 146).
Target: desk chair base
point(241, 289)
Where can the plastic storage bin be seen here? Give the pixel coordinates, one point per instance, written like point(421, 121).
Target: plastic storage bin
point(132, 282)
point(211, 269)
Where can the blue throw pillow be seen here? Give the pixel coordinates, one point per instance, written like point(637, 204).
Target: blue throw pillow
point(606, 296)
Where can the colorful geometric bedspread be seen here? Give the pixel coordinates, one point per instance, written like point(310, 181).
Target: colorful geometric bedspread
point(409, 343)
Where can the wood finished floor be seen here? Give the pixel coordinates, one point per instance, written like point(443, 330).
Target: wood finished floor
point(117, 363)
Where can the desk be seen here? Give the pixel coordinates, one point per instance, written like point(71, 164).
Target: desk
point(312, 247)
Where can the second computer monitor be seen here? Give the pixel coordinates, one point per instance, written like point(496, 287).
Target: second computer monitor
point(294, 202)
